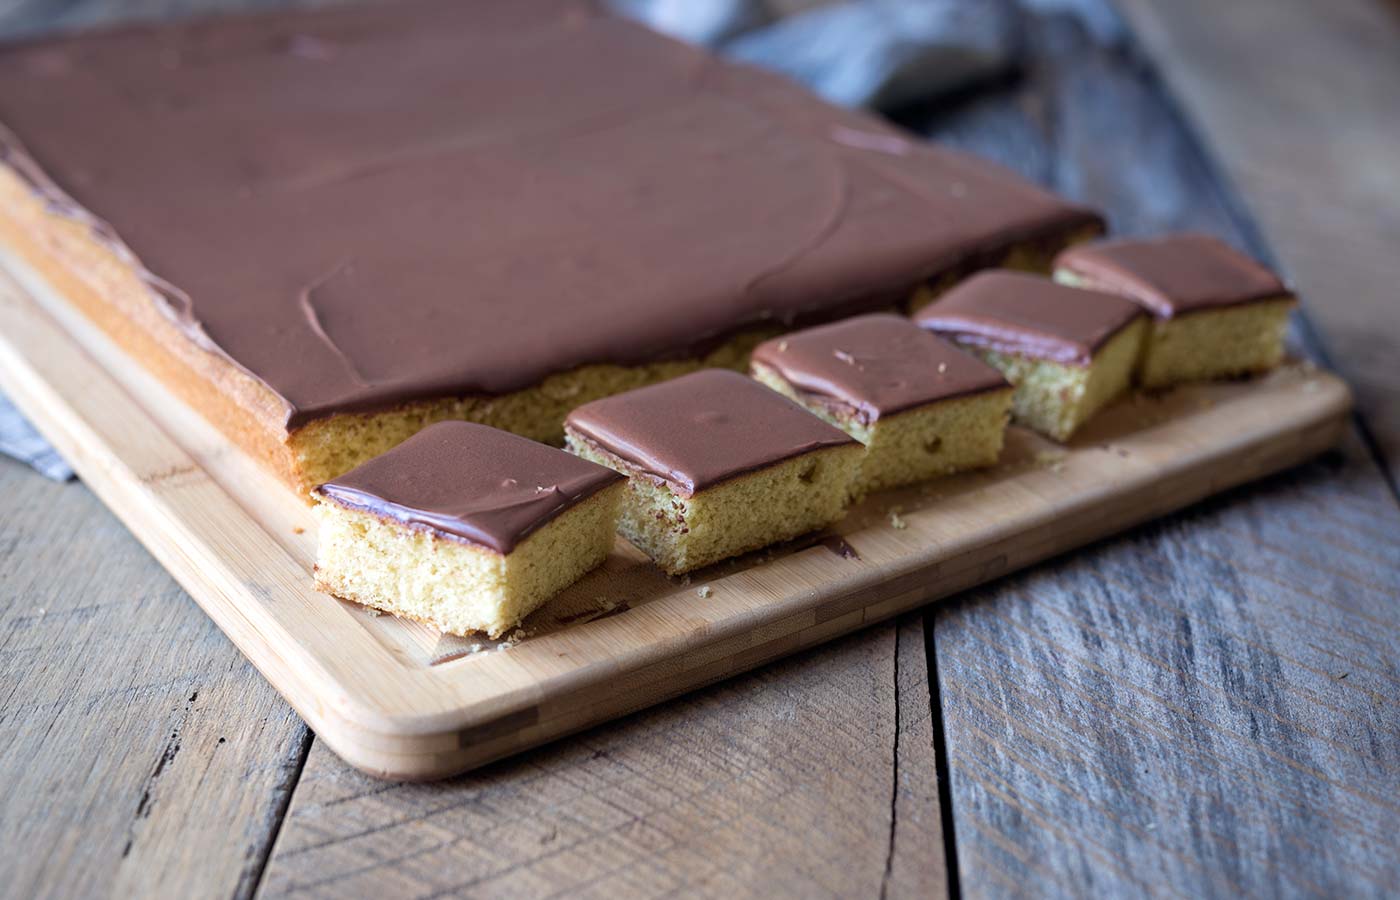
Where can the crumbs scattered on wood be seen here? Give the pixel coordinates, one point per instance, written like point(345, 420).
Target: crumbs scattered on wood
point(297, 529)
point(704, 591)
point(1054, 460)
point(897, 521)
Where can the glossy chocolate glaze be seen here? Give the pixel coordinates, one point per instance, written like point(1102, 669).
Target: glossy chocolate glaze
point(702, 429)
point(470, 482)
point(1028, 315)
point(1172, 275)
point(371, 205)
point(876, 365)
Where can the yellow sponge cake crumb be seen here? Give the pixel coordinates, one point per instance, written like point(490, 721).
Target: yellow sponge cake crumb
point(464, 527)
point(921, 406)
point(1068, 352)
point(717, 465)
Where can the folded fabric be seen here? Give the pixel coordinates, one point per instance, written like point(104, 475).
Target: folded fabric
point(876, 53)
point(19, 439)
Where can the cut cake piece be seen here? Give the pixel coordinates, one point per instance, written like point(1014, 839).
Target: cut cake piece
point(1216, 312)
point(717, 465)
point(464, 527)
point(921, 406)
point(1069, 352)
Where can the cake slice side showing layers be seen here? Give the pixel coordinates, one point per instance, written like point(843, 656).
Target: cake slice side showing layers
point(1216, 312)
point(464, 527)
point(921, 406)
point(324, 257)
point(718, 465)
point(1069, 352)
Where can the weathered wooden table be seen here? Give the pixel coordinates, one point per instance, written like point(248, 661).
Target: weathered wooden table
point(1206, 706)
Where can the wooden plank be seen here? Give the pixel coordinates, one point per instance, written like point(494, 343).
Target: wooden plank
point(1206, 707)
point(814, 777)
point(25, 19)
point(141, 754)
point(395, 708)
point(794, 675)
point(1299, 101)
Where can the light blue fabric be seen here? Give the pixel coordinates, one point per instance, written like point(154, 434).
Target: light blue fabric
point(19, 439)
point(875, 53)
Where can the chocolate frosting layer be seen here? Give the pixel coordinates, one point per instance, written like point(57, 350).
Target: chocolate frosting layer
point(470, 482)
point(1028, 315)
point(1172, 275)
point(383, 203)
point(702, 429)
point(876, 365)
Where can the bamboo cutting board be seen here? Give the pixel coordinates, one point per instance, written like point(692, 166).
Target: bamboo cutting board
point(399, 700)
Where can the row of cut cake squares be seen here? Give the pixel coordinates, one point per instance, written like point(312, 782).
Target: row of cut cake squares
point(717, 468)
point(1156, 312)
point(470, 529)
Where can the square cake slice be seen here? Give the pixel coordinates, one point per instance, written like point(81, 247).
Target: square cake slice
point(1216, 312)
point(717, 465)
point(921, 406)
point(464, 527)
point(1068, 351)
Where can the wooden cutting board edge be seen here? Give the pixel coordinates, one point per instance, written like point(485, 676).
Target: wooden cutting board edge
point(401, 722)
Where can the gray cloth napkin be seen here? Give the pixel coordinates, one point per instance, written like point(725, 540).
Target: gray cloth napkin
point(875, 53)
point(19, 439)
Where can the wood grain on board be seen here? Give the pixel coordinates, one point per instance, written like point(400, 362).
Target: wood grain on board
point(140, 752)
point(1246, 817)
point(812, 777)
point(1206, 707)
point(387, 698)
point(1301, 104)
